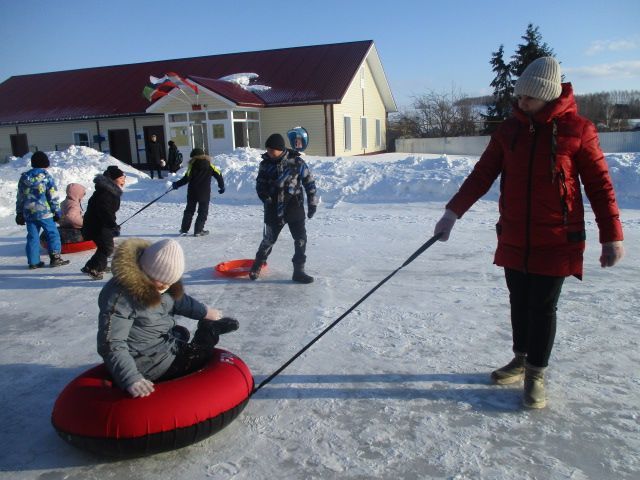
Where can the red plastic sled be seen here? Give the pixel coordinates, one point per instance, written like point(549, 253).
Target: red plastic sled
point(236, 268)
point(74, 247)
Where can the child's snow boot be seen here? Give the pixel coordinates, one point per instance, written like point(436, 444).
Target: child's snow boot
point(36, 265)
point(57, 260)
point(534, 396)
point(299, 275)
point(254, 273)
point(94, 274)
point(512, 372)
point(201, 233)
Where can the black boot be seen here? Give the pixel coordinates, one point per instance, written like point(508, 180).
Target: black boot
point(299, 275)
point(57, 260)
point(254, 273)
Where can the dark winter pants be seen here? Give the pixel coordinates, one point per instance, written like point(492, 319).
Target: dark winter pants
point(533, 300)
point(270, 235)
point(105, 247)
point(155, 166)
point(194, 355)
point(203, 212)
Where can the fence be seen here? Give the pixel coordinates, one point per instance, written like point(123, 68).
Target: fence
point(611, 142)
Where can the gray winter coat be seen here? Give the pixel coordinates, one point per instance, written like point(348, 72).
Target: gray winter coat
point(135, 321)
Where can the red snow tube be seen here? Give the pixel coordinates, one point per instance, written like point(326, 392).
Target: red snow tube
point(93, 414)
point(74, 247)
point(236, 268)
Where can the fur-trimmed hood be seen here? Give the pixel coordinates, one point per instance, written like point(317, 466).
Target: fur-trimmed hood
point(105, 183)
point(128, 274)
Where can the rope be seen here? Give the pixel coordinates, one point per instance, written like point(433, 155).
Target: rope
point(415, 255)
point(147, 205)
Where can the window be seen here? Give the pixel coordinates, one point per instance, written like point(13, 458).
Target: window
point(180, 136)
point(177, 117)
point(254, 134)
point(363, 125)
point(218, 131)
point(81, 138)
point(198, 117)
point(347, 133)
point(239, 114)
point(378, 133)
point(218, 115)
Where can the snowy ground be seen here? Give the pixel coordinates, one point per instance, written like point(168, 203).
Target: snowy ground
point(399, 389)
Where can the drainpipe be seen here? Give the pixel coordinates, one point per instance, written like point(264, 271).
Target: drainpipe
point(135, 136)
point(98, 132)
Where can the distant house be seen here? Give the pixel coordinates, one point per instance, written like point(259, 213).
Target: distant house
point(337, 92)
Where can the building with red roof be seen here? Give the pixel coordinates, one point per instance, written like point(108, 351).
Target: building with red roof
point(338, 92)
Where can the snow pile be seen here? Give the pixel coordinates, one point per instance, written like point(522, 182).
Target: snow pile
point(385, 178)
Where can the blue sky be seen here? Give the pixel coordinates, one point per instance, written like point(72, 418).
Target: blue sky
point(424, 46)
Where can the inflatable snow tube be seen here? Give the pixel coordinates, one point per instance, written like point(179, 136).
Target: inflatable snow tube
point(93, 414)
point(73, 247)
point(235, 268)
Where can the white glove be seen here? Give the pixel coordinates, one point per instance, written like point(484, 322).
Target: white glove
point(612, 253)
point(445, 224)
point(212, 314)
point(141, 388)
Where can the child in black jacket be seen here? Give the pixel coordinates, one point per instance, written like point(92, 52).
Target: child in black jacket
point(100, 219)
point(198, 176)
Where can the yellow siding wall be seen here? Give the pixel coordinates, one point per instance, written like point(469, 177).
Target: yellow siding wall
point(357, 103)
point(281, 120)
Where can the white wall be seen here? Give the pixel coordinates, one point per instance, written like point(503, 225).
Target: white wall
point(610, 142)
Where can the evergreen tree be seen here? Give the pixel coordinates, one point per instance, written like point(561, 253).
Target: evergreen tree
point(502, 92)
point(527, 52)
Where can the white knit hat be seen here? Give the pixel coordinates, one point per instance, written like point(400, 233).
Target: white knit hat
point(163, 261)
point(541, 79)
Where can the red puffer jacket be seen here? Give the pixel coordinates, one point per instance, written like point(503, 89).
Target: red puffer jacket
point(541, 228)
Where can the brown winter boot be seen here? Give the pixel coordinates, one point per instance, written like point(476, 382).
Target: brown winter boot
point(512, 372)
point(534, 396)
point(57, 261)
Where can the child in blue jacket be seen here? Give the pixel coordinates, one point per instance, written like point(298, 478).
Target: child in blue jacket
point(37, 207)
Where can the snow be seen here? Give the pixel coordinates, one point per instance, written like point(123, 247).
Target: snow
point(244, 80)
point(398, 389)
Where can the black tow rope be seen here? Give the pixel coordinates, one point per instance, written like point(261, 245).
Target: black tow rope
point(147, 205)
point(416, 254)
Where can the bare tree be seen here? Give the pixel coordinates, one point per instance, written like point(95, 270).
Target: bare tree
point(444, 114)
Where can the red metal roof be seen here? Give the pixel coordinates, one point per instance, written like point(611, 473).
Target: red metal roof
point(230, 90)
point(297, 76)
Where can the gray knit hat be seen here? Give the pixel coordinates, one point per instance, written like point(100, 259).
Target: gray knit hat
point(163, 261)
point(541, 80)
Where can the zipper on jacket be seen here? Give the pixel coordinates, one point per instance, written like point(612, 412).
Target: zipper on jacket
point(558, 173)
point(527, 247)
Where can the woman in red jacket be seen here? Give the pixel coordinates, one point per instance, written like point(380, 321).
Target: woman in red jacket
point(541, 154)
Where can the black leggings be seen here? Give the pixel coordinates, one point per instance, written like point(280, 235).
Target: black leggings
point(534, 300)
point(195, 354)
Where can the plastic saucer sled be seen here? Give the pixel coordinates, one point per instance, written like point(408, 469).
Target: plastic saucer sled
point(73, 247)
point(235, 268)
